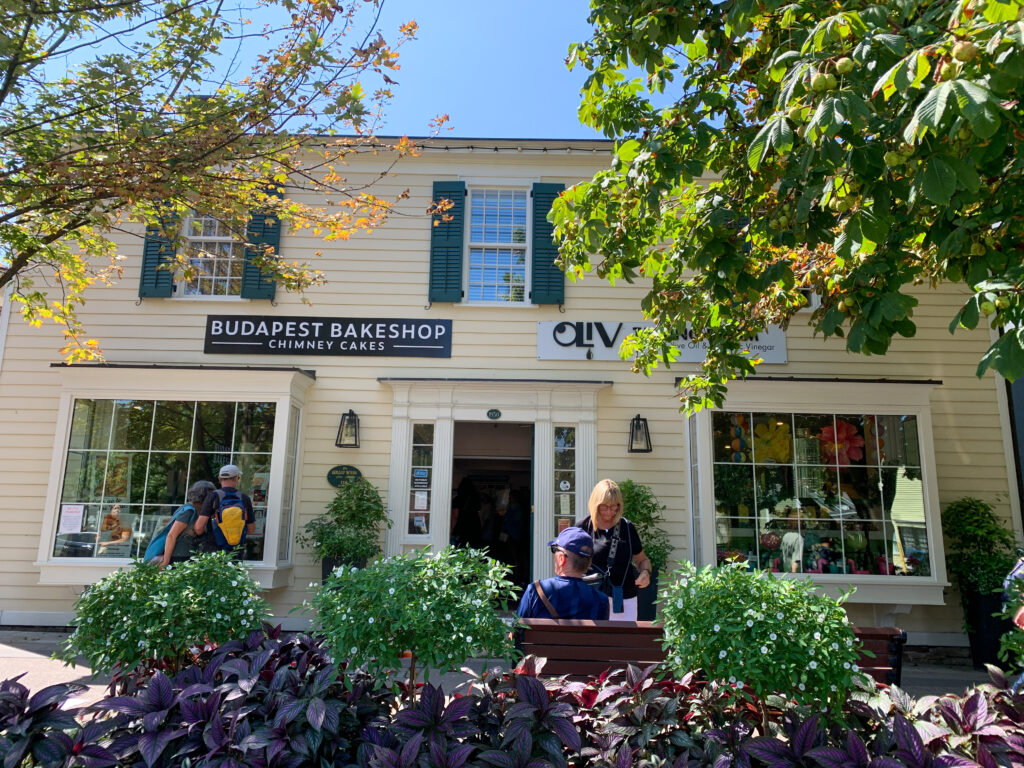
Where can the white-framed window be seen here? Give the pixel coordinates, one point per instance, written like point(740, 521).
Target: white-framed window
point(497, 247)
point(130, 442)
point(829, 479)
point(130, 462)
point(216, 258)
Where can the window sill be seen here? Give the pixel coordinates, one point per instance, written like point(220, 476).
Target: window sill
point(500, 304)
point(199, 297)
point(881, 589)
point(73, 572)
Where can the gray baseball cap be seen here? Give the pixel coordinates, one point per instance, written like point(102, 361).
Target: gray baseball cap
point(229, 470)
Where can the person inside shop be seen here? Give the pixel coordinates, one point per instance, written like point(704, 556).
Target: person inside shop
point(566, 595)
point(618, 551)
point(229, 476)
point(178, 541)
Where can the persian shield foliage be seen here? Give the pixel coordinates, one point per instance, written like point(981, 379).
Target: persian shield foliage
point(768, 634)
point(142, 110)
point(854, 149)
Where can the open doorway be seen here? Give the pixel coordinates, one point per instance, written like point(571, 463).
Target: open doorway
point(492, 491)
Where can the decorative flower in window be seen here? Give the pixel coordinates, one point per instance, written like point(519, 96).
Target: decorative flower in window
point(773, 442)
point(842, 443)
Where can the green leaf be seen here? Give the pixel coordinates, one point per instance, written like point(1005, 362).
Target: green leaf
point(1006, 356)
point(938, 181)
point(932, 108)
point(996, 12)
point(978, 106)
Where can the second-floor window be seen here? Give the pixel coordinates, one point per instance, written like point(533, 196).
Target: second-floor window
point(216, 258)
point(497, 245)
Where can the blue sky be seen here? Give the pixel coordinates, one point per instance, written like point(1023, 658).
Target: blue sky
point(496, 68)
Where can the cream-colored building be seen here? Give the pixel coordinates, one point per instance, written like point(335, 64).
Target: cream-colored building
point(464, 354)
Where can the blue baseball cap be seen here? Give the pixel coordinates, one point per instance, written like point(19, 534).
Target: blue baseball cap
point(574, 540)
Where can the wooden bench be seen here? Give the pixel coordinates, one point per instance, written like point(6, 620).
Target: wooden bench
point(583, 648)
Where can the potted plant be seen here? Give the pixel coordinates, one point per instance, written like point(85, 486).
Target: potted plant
point(641, 507)
point(349, 532)
point(980, 552)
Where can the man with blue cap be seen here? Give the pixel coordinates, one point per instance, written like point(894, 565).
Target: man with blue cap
point(566, 595)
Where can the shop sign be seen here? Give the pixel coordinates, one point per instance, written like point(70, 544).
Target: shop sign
point(341, 474)
point(494, 414)
point(588, 340)
point(344, 336)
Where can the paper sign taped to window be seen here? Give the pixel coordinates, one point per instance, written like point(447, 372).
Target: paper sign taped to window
point(71, 518)
point(420, 500)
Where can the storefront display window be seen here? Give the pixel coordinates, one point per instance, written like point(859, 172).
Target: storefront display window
point(130, 463)
point(820, 493)
point(565, 478)
point(421, 478)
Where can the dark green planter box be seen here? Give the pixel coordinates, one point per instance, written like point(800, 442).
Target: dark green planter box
point(984, 631)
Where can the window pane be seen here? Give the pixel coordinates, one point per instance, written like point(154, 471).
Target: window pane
point(423, 434)
point(898, 440)
point(126, 477)
point(205, 466)
point(172, 426)
point(83, 476)
point(565, 458)
point(133, 425)
point(736, 538)
point(255, 432)
point(214, 427)
point(422, 456)
point(773, 438)
point(90, 424)
point(565, 437)
point(811, 438)
point(167, 481)
point(734, 490)
point(775, 491)
point(117, 531)
point(731, 436)
point(845, 442)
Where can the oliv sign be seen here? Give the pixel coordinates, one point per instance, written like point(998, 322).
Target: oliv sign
point(597, 340)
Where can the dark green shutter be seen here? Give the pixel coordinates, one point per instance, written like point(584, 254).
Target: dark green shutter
point(263, 229)
point(446, 243)
point(547, 282)
point(157, 281)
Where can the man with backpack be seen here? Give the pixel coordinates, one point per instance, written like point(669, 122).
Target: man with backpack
point(228, 512)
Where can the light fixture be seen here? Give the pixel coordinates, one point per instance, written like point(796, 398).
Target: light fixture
point(348, 432)
point(639, 435)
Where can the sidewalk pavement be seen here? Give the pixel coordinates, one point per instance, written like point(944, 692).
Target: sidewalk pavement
point(28, 651)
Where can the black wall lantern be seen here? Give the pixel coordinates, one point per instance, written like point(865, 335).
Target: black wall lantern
point(639, 435)
point(348, 432)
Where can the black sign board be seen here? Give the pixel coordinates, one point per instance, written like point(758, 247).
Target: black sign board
point(345, 336)
point(343, 473)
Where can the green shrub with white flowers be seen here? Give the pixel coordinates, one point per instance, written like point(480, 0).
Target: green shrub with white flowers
point(440, 606)
point(145, 616)
point(762, 632)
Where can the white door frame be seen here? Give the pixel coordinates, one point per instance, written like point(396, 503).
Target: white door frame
point(442, 402)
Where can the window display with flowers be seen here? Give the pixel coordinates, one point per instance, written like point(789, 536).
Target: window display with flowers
point(820, 493)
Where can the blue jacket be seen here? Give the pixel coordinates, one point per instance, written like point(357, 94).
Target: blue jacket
point(571, 597)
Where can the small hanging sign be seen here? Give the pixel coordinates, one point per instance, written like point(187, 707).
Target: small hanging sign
point(342, 473)
point(494, 414)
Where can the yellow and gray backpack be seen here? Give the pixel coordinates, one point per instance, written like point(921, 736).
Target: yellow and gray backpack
point(229, 520)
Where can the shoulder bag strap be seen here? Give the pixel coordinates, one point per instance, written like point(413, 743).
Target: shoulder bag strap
point(544, 599)
point(613, 547)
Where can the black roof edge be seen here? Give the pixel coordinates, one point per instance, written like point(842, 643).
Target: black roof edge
point(445, 379)
point(837, 380)
point(197, 367)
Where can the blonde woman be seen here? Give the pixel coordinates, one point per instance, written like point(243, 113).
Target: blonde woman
point(617, 550)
